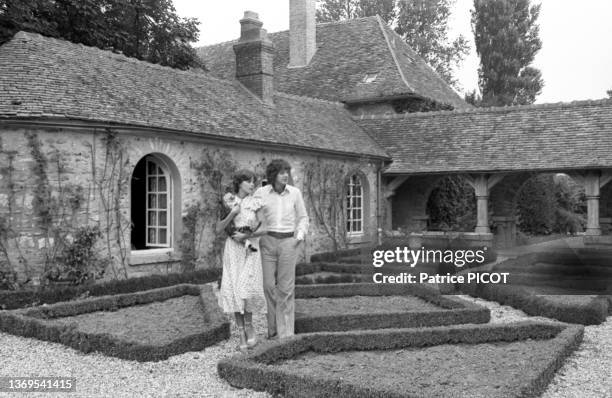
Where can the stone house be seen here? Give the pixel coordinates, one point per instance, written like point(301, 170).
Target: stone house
point(90, 137)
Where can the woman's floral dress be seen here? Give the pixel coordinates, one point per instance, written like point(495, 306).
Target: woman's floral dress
point(242, 275)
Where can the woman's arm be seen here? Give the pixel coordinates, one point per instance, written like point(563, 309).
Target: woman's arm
point(221, 225)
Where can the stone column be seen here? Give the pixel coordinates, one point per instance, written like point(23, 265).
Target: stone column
point(482, 183)
point(591, 191)
point(592, 181)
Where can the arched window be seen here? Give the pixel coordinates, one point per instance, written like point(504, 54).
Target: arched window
point(354, 205)
point(152, 215)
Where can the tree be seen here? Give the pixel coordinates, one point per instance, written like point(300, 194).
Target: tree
point(452, 205)
point(424, 26)
point(340, 10)
point(609, 92)
point(145, 29)
point(507, 40)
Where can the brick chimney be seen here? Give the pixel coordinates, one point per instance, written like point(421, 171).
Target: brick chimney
point(302, 32)
point(254, 57)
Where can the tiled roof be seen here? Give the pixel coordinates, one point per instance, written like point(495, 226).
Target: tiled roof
point(561, 136)
point(346, 51)
point(42, 77)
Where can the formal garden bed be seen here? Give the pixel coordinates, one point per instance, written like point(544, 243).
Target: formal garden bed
point(511, 360)
point(339, 307)
point(570, 286)
point(12, 299)
point(150, 325)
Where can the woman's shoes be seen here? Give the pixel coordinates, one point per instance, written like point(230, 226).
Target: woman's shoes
point(250, 335)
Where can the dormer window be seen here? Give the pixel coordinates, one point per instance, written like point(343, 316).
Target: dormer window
point(370, 77)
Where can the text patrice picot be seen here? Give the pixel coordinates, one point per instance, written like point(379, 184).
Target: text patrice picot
point(411, 257)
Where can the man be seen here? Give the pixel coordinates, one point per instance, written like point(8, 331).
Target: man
point(286, 223)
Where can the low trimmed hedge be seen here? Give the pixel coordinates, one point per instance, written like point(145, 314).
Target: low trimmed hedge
point(311, 279)
point(10, 299)
point(253, 371)
point(455, 310)
point(592, 313)
point(35, 322)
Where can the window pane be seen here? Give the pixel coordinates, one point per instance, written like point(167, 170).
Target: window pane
point(159, 171)
point(152, 236)
point(163, 204)
point(162, 184)
point(152, 219)
point(152, 201)
point(152, 184)
point(162, 218)
point(162, 236)
point(151, 168)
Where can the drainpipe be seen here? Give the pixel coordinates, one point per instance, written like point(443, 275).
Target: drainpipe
point(378, 203)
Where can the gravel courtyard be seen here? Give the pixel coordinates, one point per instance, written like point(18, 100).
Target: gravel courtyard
point(585, 374)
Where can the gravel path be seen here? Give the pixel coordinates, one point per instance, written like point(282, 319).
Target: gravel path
point(585, 374)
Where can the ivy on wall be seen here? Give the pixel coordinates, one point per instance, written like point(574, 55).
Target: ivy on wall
point(324, 187)
point(213, 171)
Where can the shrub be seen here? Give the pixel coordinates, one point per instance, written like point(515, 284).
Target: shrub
point(79, 262)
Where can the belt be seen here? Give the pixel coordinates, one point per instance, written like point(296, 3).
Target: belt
point(280, 235)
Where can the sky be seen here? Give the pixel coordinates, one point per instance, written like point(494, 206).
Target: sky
point(575, 59)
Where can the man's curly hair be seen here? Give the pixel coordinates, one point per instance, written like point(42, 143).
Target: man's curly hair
point(274, 168)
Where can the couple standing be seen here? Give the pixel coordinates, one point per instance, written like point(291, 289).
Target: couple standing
point(259, 257)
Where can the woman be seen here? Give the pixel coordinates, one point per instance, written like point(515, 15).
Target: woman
point(242, 282)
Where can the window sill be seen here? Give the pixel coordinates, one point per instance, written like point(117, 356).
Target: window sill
point(152, 256)
point(357, 237)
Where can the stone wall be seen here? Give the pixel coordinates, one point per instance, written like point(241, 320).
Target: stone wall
point(100, 171)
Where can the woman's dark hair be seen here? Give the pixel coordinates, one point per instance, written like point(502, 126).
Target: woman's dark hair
point(240, 176)
point(274, 168)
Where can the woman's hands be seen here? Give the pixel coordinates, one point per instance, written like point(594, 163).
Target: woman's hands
point(240, 236)
point(235, 210)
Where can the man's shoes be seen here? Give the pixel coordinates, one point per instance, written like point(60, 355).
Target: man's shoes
point(243, 345)
point(251, 337)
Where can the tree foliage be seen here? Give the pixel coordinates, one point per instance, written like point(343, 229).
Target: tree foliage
point(551, 203)
point(423, 24)
point(507, 39)
point(145, 29)
point(609, 92)
point(452, 205)
point(340, 10)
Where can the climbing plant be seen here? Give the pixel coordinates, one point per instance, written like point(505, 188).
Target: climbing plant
point(111, 184)
point(324, 187)
point(213, 170)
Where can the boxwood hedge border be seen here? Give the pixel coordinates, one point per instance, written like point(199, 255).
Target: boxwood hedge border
point(593, 312)
point(252, 370)
point(456, 310)
point(35, 322)
point(12, 299)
